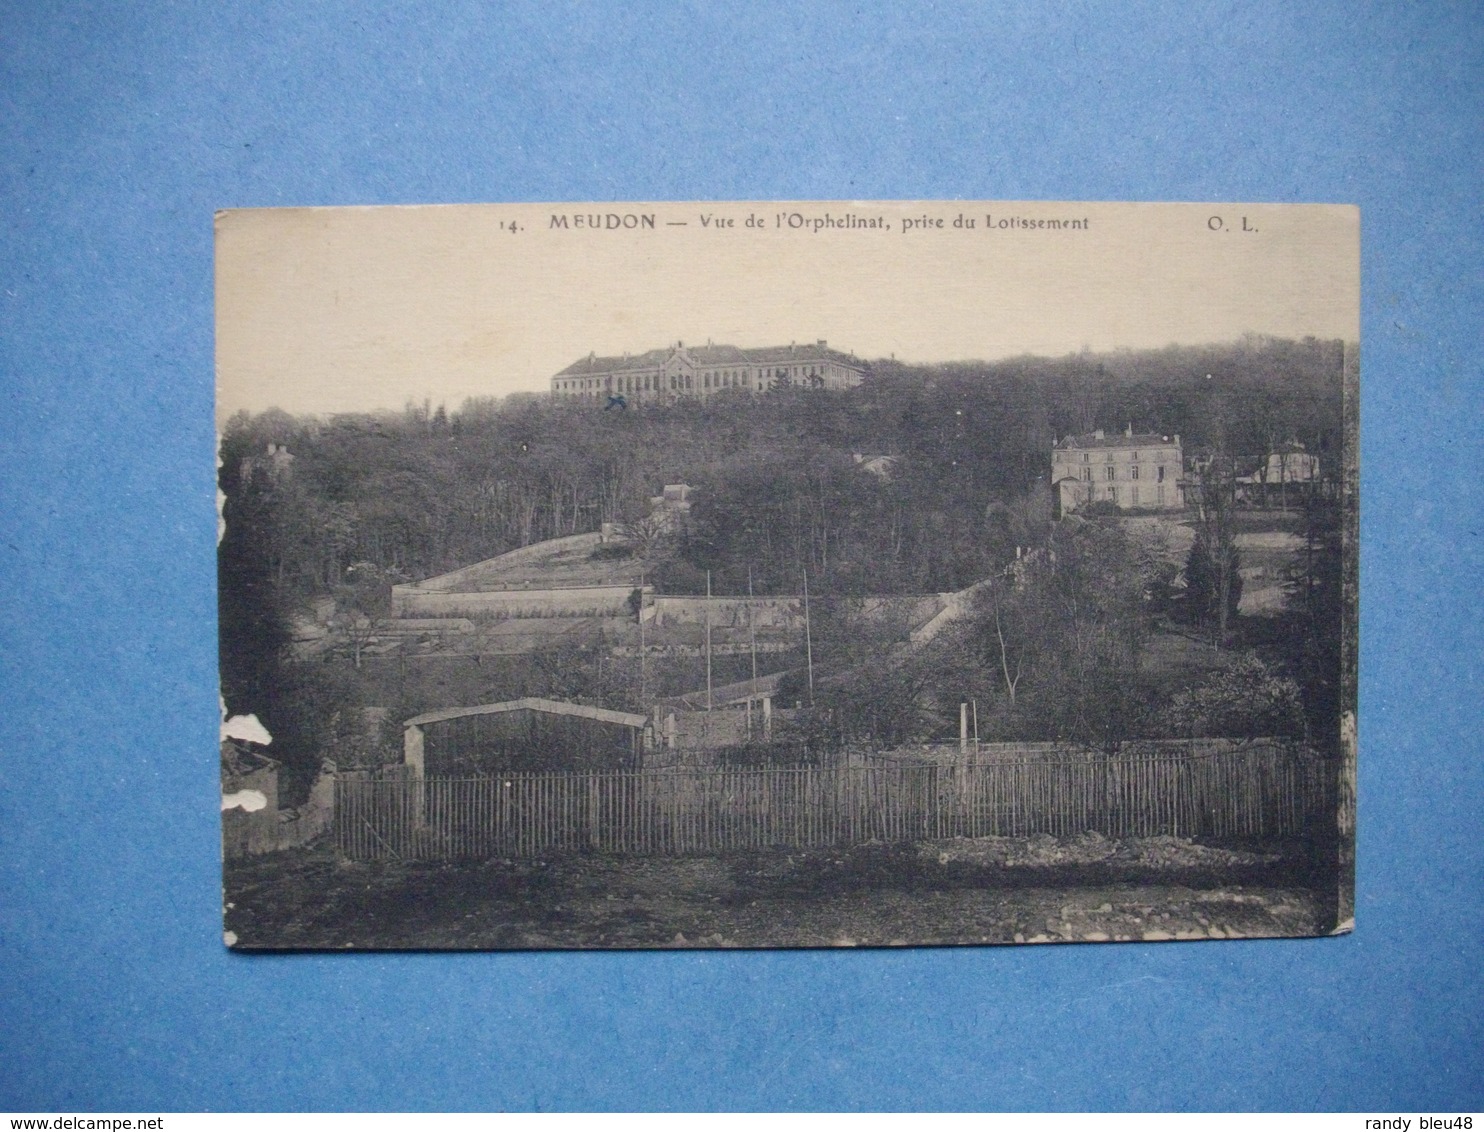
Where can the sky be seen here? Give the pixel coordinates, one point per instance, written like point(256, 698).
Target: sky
point(324, 310)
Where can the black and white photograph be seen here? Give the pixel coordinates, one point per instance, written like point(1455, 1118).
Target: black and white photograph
point(800, 574)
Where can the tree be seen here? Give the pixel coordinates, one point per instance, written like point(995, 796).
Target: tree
point(884, 702)
point(1005, 613)
point(362, 602)
point(1213, 571)
point(254, 611)
point(1074, 626)
point(1245, 698)
point(1213, 587)
point(1313, 645)
point(870, 685)
point(651, 537)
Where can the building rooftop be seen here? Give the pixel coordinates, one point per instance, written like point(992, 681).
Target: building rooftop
point(713, 355)
point(1100, 439)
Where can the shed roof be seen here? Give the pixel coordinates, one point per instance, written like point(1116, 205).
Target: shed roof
point(532, 703)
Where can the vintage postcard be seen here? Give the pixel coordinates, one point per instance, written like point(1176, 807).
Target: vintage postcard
point(773, 574)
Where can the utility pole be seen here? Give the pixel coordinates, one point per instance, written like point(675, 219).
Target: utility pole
point(708, 640)
point(752, 642)
point(643, 659)
point(751, 630)
point(808, 639)
point(1224, 564)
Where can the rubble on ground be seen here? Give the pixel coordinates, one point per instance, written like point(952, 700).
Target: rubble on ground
point(1088, 848)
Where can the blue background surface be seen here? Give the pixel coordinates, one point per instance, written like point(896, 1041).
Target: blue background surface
point(122, 127)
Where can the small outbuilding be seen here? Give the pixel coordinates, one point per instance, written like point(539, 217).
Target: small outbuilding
point(528, 734)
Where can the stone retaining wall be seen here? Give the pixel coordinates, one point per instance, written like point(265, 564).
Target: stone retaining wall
point(577, 601)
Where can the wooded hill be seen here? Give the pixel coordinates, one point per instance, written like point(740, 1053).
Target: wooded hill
point(426, 490)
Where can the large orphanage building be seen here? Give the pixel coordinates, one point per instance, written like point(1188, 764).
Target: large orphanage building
point(1134, 472)
point(701, 371)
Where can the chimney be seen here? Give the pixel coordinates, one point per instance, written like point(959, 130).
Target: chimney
point(1177, 440)
point(821, 343)
point(1129, 430)
point(1097, 434)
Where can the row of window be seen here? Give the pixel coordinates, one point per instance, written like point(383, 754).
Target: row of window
point(1108, 455)
point(710, 379)
point(726, 379)
point(1133, 473)
point(1134, 500)
point(681, 381)
point(634, 385)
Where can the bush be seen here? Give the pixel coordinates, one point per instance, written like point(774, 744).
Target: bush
point(1243, 700)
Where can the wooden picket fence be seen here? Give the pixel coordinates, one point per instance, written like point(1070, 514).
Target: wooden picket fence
point(1263, 790)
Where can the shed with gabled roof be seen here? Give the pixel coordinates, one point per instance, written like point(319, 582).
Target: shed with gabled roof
point(530, 733)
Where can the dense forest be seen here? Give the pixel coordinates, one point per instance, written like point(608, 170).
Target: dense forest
point(780, 493)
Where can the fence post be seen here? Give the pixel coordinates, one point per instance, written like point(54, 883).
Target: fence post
point(414, 759)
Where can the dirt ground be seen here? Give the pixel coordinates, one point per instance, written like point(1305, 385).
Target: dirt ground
point(989, 890)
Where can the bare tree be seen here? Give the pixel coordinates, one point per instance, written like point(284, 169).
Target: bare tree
point(363, 603)
point(1003, 614)
point(648, 536)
